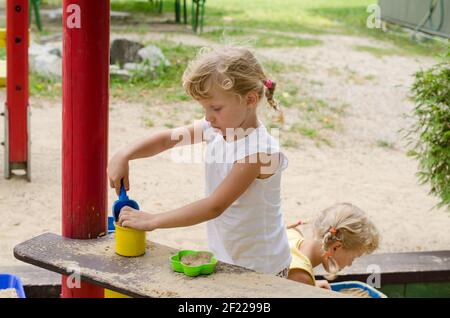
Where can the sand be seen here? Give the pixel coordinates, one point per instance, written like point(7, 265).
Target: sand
point(8, 293)
point(196, 259)
point(380, 180)
point(357, 292)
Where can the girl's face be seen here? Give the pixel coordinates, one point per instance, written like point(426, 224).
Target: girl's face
point(341, 256)
point(345, 258)
point(227, 110)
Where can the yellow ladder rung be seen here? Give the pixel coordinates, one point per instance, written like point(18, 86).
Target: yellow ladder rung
point(2, 73)
point(2, 37)
point(2, 62)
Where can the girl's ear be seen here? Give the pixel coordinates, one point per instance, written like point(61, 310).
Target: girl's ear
point(252, 99)
point(335, 246)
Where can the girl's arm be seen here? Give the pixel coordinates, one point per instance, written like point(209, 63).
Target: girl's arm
point(150, 146)
point(232, 187)
point(303, 277)
point(300, 276)
point(162, 141)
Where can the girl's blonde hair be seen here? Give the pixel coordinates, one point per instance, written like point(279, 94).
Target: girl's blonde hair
point(349, 225)
point(231, 68)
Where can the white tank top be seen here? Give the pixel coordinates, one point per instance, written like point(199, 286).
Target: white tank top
point(251, 232)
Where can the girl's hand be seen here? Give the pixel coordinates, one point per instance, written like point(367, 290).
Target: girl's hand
point(117, 170)
point(323, 284)
point(137, 220)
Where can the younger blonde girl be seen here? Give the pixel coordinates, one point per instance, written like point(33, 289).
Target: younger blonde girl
point(341, 233)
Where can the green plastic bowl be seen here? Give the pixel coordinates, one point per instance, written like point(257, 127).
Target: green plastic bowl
point(192, 271)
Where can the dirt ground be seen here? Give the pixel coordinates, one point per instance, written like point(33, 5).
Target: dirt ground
point(379, 179)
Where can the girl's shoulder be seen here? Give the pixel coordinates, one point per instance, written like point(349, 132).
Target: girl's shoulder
point(267, 144)
point(257, 141)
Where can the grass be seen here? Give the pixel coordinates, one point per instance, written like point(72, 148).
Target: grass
point(40, 86)
point(44, 87)
point(140, 6)
point(286, 15)
point(352, 16)
point(290, 143)
point(149, 123)
point(316, 17)
point(305, 16)
point(378, 52)
point(305, 131)
point(166, 84)
point(258, 39)
point(276, 67)
point(385, 144)
point(306, 116)
point(146, 7)
point(370, 77)
point(350, 75)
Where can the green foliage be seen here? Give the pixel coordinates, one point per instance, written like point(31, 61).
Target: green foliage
point(162, 81)
point(432, 113)
point(41, 86)
point(385, 144)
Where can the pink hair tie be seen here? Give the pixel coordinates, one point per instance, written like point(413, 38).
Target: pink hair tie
point(268, 83)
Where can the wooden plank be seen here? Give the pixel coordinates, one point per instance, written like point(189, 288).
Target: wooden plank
point(151, 275)
point(409, 267)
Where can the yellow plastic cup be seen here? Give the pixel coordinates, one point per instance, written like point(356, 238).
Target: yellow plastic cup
point(112, 294)
point(130, 242)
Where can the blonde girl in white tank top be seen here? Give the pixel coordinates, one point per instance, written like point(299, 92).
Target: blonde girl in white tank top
point(244, 164)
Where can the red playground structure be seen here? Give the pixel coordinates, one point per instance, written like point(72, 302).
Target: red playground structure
point(85, 126)
point(17, 114)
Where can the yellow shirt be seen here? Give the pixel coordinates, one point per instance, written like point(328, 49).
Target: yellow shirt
point(299, 260)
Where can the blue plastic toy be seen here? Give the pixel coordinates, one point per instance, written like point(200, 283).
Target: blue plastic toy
point(373, 293)
point(111, 227)
point(12, 281)
point(123, 201)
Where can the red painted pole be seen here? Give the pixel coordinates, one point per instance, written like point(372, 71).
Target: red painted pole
point(85, 125)
point(17, 85)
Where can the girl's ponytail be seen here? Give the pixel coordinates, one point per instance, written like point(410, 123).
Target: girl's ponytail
point(270, 90)
point(331, 266)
